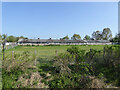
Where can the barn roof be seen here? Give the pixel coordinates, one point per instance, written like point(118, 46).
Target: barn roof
point(60, 41)
point(98, 41)
point(50, 41)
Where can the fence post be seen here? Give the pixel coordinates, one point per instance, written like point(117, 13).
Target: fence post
point(6, 47)
point(56, 53)
point(12, 55)
point(35, 57)
point(3, 50)
point(90, 53)
point(104, 53)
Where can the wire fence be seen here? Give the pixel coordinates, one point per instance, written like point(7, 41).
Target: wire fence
point(10, 45)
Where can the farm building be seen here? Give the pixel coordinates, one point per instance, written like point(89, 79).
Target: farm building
point(61, 42)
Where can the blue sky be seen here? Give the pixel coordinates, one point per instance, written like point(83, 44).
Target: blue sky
point(58, 19)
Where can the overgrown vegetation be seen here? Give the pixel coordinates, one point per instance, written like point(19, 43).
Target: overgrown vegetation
point(74, 68)
point(80, 67)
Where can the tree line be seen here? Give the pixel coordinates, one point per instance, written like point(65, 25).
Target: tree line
point(11, 38)
point(106, 34)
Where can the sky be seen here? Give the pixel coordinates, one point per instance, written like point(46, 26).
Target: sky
point(57, 19)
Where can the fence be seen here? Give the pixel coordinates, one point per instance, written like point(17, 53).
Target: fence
point(10, 45)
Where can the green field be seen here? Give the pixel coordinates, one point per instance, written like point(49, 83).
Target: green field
point(49, 51)
point(39, 68)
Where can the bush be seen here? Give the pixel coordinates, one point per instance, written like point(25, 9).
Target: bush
point(14, 67)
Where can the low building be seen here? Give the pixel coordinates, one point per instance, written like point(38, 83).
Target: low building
point(61, 42)
point(98, 42)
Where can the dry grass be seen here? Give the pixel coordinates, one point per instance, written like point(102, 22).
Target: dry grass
point(32, 80)
point(97, 83)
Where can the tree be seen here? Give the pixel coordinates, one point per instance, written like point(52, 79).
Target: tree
point(3, 40)
point(76, 37)
point(0, 38)
point(66, 37)
point(14, 39)
point(97, 35)
point(17, 38)
point(86, 37)
point(4, 36)
point(11, 39)
point(21, 37)
point(119, 37)
point(107, 34)
point(116, 38)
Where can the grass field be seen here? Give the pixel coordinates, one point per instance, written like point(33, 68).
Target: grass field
point(49, 51)
point(21, 69)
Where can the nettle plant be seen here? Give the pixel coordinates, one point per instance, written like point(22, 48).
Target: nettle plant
point(72, 68)
point(77, 54)
point(75, 58)
point(80, 64)
point(62, 62)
